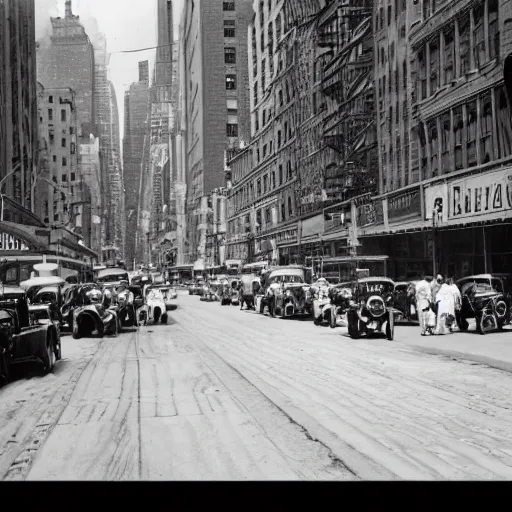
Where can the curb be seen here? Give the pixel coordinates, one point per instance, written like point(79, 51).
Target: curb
point(464, 356)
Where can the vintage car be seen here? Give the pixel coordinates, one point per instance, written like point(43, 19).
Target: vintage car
point(90, 312)
point(403, 300)
point(230, 294)
point(371, 307)
point(250, 286)
point(154, 309)
point(235, 285)
point(213, 291)
point(112, 277)
point(47, 291)
point(488, 299)
point(198, 288)
point(331, 304)
point(169, 294)
point(23, 338)
point(126, 309)
point(288, 292)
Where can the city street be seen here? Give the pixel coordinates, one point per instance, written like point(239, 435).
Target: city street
point(225, 394)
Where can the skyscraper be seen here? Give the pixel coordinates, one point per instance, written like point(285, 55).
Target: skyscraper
point(68, 61)
point(136, 108)
point(18, 99)
point(217, 100)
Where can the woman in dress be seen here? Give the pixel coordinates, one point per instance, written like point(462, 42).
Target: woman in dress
point(445, 302)
point(423, 298)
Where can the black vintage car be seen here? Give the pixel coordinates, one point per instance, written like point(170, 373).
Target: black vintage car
point(488, 299)
point(371, 307)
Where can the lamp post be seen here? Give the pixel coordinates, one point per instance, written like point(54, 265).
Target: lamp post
point(436, 211)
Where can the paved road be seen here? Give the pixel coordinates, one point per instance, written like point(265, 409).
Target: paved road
point(225, 394)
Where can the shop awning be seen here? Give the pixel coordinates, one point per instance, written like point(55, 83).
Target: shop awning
point(350, 259)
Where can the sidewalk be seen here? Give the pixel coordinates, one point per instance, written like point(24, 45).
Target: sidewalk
point(493, 349)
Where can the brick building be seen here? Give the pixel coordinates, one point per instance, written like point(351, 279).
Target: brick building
point(214, 81)
point(136, 110)
point(445, 202)
point(19, 125)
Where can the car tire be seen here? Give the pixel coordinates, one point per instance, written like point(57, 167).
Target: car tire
point(5, 370)
point(390, 327)
point(49, 355)
point(164, 318)
point(332, 319)
point(76, 331)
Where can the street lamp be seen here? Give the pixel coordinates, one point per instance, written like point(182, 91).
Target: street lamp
point(436, 212)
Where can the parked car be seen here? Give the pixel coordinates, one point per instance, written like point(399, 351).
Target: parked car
point(154, 308)
point(288, 293)
point(250, 286)
point(23, 338)
point(488, 299)
point(112, 277)
point(339, 298)
point(371, 308)
point(91, 312)
point(170, 295)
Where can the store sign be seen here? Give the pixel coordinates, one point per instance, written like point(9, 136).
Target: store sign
point(370, 214)
point(478, 195)
point(407, 204)
point(11, 243)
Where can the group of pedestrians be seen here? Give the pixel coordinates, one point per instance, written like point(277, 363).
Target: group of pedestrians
point(437, 303)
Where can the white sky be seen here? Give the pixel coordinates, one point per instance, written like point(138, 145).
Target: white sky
point(127, 24)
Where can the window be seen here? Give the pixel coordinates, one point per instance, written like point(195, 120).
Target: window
point(228, 6)
point(54, 158)
point(63, 142)
point(230, 55)
point(255, 93)
point(471, 134)
point(50, 114)
point(289, 171)
point(434, 66)
point(64, 178)
point(458, 131)
point(72, 148)
point(52, 138)
point(494, 34)
point(281, 98)
point(71, 130)
point(280, 174)
point(479, 36)
point(50, 99)
point(445, 142)
point(504, 128)
point(464, 45)
point(279, 138)
point(265, 183)
point(73, 178)
point(422, 76)
point(278, 27)
point(229, 28)
point(273, 179)
point(449, 57)
point(283, 212)
point(290, 209)
point(64, 161)
point(258, 187)
point(231, 82)
point(232, 130)
point(486, 142)
point(63, 115)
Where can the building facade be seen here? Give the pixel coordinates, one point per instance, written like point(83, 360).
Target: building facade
point(68, 61)
point(136, 110)
point(442, 88)
point(215, 76)
point(19, 125)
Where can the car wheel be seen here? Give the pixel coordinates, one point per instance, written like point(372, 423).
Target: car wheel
point(5, 373)
point(76, 331)
point(390, 327)
point(486, 323)
point(49, 355)
point(353, 328)
point(164, 318)
point(332, 322)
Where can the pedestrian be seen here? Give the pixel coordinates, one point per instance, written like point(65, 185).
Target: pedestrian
point(457, 298)
point(445, 307)
point(423, 299)
point(434, 288)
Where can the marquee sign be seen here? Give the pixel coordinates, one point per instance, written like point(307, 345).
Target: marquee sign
point(482, 194)
point(12, 243)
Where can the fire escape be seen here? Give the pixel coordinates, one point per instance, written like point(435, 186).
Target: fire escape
point(345, 28)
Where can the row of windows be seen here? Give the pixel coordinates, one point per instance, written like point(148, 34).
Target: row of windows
point(246, 195)
point(63, 114)
point(381, 19)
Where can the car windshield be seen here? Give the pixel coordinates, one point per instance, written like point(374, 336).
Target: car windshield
point(481, 285)
point(112, 278)
point(378, 287)
point(294, 278)
point(41, 314)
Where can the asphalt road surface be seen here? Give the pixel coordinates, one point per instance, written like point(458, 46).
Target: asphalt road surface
point(224, 394)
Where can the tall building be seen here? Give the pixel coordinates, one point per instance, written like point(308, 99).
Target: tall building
point(68, 61)
point(19, 126)
point(116, 181)
point(445, 138)
point(136, 112)
point(215, 74)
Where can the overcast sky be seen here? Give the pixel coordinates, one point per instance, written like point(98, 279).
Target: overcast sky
point(127, 24)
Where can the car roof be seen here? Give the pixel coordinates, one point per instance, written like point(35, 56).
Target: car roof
point(483, 276)
point(373, 279)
